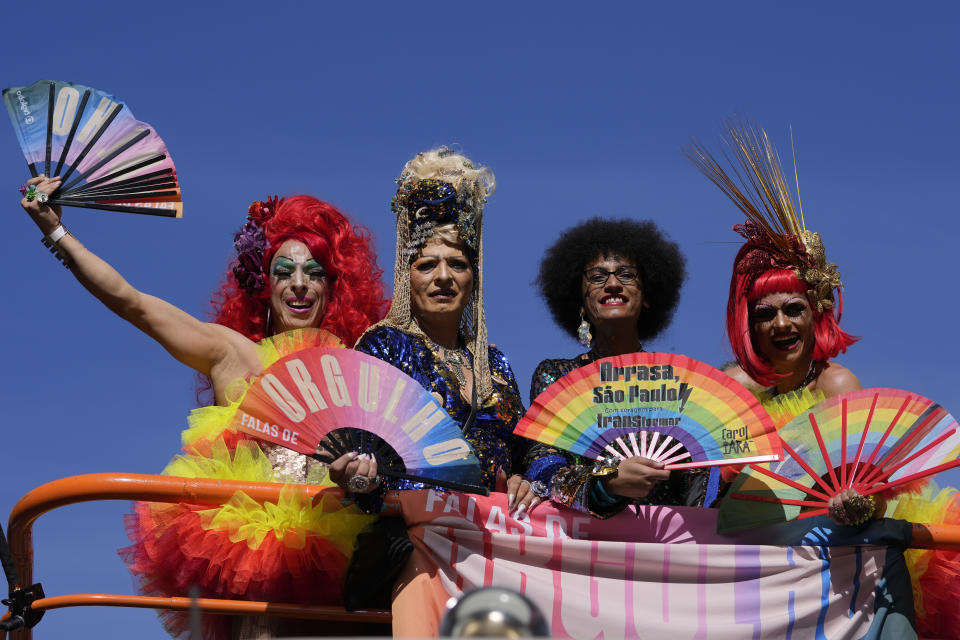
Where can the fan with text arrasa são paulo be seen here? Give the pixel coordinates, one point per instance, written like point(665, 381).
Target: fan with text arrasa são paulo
point(665, 407)
point(106, 158)
point(349, 401)
point(871, 440)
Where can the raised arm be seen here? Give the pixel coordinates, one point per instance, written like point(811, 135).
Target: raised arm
point(199, 345)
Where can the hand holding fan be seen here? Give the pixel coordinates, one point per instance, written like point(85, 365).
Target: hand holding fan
point(349, 401)
point(870, 441)
point(662, 406)
point(106, 158)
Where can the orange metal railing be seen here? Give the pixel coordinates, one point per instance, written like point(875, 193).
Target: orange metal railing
point(935, 536)
point(152, 488)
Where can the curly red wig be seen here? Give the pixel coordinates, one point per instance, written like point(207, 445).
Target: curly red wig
point(747, 287)
point(356, 296)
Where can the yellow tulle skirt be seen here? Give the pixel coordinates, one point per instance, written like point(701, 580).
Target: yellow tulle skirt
point(293, 551)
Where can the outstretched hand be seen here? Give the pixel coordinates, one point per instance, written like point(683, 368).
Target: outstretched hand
point(46, 216)
point(636, 478)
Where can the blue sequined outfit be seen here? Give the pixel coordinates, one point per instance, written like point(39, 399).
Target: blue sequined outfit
point(491, 433)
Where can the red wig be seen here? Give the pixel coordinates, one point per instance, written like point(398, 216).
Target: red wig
point(355, 296)
point(746, 287)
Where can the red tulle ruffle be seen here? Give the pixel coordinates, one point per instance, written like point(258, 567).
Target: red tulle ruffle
point(172, 552)
point(938, 611)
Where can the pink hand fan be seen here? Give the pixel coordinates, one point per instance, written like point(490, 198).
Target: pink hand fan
point(870, 441)
point(324, 402)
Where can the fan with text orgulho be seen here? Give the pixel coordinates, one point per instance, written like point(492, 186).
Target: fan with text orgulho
point(105, 157)
point(325, 402)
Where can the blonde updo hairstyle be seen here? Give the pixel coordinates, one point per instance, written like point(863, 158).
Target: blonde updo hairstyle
point(448, 234)
point(453, 168)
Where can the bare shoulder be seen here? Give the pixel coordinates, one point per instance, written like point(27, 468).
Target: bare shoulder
point(837, 379)
point(736, 372)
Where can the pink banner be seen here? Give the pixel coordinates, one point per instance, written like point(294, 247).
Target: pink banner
point(663, 572)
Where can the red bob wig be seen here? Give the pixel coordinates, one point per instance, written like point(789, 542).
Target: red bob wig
point(747, 287)
point(356, 297)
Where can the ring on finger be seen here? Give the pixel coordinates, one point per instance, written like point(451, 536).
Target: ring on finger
point(42, 197)
point(29, 193)
point(358, 483)
point(540, 489)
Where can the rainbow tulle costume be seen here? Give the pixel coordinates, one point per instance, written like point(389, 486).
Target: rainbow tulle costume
point(935, 573)
point(292, 551)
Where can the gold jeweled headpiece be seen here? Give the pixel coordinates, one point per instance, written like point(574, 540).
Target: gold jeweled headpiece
point(775, 228)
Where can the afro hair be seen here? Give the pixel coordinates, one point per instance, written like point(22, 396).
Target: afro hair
point(662, 270)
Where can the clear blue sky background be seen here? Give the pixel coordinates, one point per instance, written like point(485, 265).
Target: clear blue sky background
point(579, 109)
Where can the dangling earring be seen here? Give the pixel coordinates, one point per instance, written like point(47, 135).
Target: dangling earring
point(267, 328)
point(583, 332)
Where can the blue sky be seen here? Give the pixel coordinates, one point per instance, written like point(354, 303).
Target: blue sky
point(578, 111)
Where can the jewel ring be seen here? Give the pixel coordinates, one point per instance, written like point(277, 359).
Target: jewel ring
point(42, 197)
point(359, 483)
point(540, 489)
point(29, 193)
point(864, 507)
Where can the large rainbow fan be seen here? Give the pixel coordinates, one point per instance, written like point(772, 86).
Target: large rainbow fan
point(108, 160)
point(661, 406)
point(870, 440)
point(324, 401)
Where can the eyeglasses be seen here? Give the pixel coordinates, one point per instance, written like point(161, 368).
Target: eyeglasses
point(598, 276)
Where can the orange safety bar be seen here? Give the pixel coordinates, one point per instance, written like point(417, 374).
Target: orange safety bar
point(153, 488)
point(210, 605)
point(935, 536)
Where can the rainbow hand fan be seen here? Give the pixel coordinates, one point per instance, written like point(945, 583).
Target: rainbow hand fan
point(661, 406)
point(869, 440)
point(350, 401)
point(107, 159)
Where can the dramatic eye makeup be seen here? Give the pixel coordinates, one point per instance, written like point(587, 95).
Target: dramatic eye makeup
point(763, 313)
point(284, 267)
point(314, 269)
point(795, 308)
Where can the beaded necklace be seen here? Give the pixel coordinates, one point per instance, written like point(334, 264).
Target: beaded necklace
point(455, 359)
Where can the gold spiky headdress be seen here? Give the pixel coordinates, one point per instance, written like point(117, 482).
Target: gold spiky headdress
point(775, 230)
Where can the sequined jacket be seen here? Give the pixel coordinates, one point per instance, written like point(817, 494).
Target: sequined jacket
point(491, 433)
point(570, 478)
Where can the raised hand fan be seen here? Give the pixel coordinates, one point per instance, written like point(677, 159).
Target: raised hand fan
point(662, 406)
point(870, 440)
point(107, 159)
point(350, 401)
